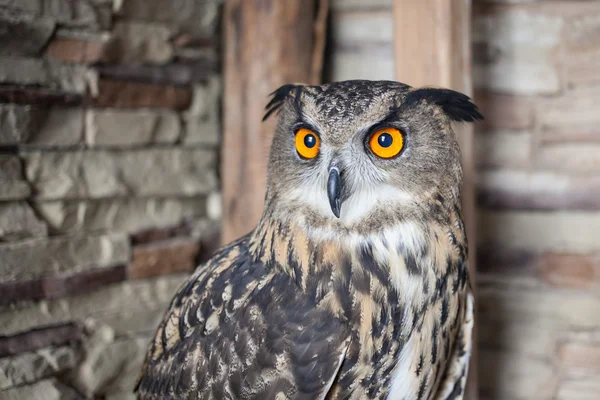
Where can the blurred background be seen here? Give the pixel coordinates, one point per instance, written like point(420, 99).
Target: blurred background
point(131, 147)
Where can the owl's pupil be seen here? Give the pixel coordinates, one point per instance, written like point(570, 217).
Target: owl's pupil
point(310, 141)
point(385, 140)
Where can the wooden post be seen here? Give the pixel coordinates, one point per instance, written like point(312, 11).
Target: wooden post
point(267, 43)
point(432, 46)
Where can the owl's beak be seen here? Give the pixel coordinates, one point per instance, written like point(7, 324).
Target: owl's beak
point(334, 189)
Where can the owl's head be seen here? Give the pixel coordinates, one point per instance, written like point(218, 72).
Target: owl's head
point(354, 152)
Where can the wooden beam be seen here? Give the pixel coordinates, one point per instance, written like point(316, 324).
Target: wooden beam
point(432, 46)
point(267, 43)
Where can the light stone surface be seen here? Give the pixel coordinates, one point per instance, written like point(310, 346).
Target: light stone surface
point(123, 215)
point(17, 221)
point(34, 258)
point(100, 174)
point(15, 124)
point(33, 366)
point(133, 306)
point(202, 120)
point(121, 128)
point(24, 36)
point(12, 184)
point(141, 42)
point(509, 149)
point(50, 389)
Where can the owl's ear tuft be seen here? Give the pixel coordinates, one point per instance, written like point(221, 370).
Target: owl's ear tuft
point(457, 106)
point(277, 99)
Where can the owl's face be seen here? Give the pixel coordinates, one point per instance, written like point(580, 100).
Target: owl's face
point(356, 150)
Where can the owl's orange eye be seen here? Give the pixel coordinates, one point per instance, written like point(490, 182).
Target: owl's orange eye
point(307, 143)
point(386, 142)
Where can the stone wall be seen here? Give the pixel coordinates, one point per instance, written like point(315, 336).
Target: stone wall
point(537, 78)
point(109, 130)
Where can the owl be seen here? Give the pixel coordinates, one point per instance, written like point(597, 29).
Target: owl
point(354, 284)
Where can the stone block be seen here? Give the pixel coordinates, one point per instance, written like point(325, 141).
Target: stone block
point(358, 63)
point(121, 94)
point(352, 29)
point(133, 306)
point(202, 120)
point(46, 74)
point(586, 388)
point(570, 117)
point(560, 231)
point(35, 258)
point(581, 158)
point(576, 271)
point(123, 214)
point(162, 258)
point(39, 338)
point(99, 174)
point(581, 359)
point(81, 49)
point(59, 286)
point(50, 389)
point(198, 18)
point(15, 124)
point(22, 36)
point(514, 376)
point(537, 190)
point(361, 4)
point(36, 365)
point(12, 184)
point(505, 111)
point(141, 42)
point(507, 149)
point(516, 50)
point(18, 221)
point(111, 127)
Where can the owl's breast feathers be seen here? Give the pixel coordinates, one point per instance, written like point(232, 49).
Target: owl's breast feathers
point(280, 314)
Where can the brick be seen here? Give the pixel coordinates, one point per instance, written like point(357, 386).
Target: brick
point(50, 389)
point(198, 71)
point(353, 29)
point(119, 94)
point(569, 157)
point(576, 271)
point(15, 124)
point(134, 306)
point(140, 42)
point(580, 358)
point(571, 117)
point(111, 127)
point(36, 365)
point(200, 19)
point(41, 96)
point(36, 258)
point(358, 63)
point(162, 258)
point(123, 214)
point(59, 286)
point(515, 376)
point(22, 36)
point(537, 190)
point(88, 49)
point(111, 366)
point(46, 74)
point(99, 174)
point(39, 338)
point(561, 231)
point(12, 184)
point(505, 111)
point(516, 49)
point(18, 221)
point(202, 120)
point(40, 126)
point(509, 149)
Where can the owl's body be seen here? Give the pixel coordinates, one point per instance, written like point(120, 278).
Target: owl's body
point(354, 284)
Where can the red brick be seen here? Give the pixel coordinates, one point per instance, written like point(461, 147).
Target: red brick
point(577, 271)
point(79, 50)
point(159, 234)
point(57, 335)
point(22, 95)
point(120, 94)
point(503, 111)
point(161, 258)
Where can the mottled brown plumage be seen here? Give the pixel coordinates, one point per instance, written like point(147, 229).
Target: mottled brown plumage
point(374, 304)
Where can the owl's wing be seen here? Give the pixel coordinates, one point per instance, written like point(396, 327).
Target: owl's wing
point(452, 386)
point(241, 330)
